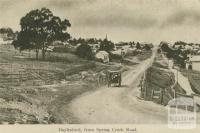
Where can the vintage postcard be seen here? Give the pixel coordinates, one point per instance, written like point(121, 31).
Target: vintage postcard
point(123, 66)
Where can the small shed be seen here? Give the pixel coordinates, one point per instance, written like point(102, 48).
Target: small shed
point(102, 56)
point(195, 61)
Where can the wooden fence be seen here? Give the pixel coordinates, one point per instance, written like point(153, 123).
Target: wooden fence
point(26, 73)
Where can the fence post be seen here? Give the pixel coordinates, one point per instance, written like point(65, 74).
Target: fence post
point(161, 96)
point(152, 94)
point(144, 86)
point(145, 94)
point(98, 81)
point(174, 94)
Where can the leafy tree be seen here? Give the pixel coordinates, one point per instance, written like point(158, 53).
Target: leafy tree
point(39, 28)
point(106, 45)
point(27, 40)
point(178, 55)
point(180, 43)
point(147, 47)
point(131, 44)
point(165, 47)
point(138, 45)
point(6, 31)
point(84, 51)
point(10, 34)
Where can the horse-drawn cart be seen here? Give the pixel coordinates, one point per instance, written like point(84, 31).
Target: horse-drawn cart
point(114, 77)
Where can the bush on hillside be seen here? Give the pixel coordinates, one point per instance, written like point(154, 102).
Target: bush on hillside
point(84, 51)
point(115, 57)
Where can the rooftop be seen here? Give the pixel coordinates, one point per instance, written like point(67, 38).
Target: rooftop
point(195, 58)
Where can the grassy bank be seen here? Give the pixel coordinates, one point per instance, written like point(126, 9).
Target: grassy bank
point(158, 80)
point(36, 91)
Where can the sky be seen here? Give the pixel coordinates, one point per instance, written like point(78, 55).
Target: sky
point(121, 20)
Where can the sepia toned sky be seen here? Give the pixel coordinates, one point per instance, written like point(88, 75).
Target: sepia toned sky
point(122, 20)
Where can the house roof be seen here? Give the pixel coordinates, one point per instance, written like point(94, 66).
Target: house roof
point(195, 58)
point(92, 44)
point(103, 52)
point(118, 52)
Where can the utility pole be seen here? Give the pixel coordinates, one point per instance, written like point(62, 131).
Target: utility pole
point(174, 94)
point(177, 74)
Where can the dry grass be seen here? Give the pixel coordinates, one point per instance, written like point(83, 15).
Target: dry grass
point(34, 90)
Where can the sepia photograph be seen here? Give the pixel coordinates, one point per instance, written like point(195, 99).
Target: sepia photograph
point(77, 62)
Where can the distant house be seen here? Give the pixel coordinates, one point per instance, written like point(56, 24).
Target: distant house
point(50, 48)
point(102, 56)
point(195, 46)
point(77, 45)
point(171, 63)
point(188, 65)
point(142, 44)
point(4, 36)
point(177, 46)
point(57, 43)
point(195, 61)
point(117, 52)
point(3, 41)
point(188, 47)
point(118, 47)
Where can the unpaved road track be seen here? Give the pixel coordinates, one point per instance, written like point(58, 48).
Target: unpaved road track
point(119, 105)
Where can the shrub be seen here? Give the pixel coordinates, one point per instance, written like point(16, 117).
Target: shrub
point(147, 47)
point(84, 51)
point(63, 49)
point(115, 56)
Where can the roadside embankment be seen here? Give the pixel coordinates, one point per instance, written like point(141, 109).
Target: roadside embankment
point(158, 83)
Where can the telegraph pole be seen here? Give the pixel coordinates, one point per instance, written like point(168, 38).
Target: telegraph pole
point(177, 74)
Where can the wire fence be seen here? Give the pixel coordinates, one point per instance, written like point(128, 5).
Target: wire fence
point(33, 74)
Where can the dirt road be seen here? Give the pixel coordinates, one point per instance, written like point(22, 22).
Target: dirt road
point(119, 104)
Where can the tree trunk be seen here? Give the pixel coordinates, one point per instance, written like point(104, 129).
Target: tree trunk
point(37, 53)
point(43, 52)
